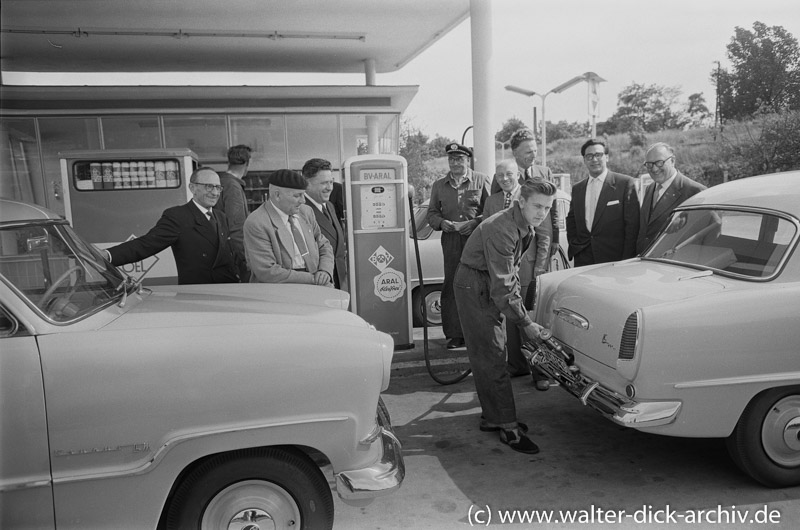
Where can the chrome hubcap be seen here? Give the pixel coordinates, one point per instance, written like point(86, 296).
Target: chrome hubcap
point(433, 306)
point(780, 432)
point(252, 505)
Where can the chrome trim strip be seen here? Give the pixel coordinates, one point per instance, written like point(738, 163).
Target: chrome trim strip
point(571, 317)
point(14, 486)
point(161, 452)
point(786, 377)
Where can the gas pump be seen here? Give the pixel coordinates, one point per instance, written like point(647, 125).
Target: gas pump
point(376, 188)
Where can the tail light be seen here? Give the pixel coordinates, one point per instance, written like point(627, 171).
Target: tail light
point(630, 335)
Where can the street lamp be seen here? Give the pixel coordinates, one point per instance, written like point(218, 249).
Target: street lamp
point(590, 77)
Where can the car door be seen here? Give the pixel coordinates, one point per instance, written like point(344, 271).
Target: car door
point(26, 489)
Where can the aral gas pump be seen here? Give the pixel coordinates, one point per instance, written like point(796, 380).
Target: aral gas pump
point(377, 237)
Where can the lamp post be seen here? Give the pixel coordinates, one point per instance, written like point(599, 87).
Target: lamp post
point(590, 77)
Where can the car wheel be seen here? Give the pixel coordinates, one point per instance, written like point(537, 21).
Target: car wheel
point(766, 442)
point(431, 299)
point(279, 487)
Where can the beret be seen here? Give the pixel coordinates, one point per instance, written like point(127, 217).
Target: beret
point(286, 178)
point(458, 149)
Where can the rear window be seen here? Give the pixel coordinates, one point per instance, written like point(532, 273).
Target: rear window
point(742, 243)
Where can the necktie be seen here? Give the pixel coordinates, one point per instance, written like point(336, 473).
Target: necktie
point(212, 219)
point(299, 241)
point(326, 213)
point(656, 195)
point(507, 200)
point(592, 192)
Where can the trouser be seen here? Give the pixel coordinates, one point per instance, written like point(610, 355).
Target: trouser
point(452, 245)
point(485, 338)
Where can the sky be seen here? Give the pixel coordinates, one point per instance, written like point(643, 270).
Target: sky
point(539, 44)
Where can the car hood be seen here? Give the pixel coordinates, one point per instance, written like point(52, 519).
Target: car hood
point(605, 296)
point(234, 304)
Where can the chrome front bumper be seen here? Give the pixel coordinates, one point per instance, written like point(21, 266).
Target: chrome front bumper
point(549, 357)
point(359, 486)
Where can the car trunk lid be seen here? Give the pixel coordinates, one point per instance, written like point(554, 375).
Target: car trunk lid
point(592, 308)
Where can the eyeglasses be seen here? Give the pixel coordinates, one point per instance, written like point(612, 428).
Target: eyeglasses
point(593, 156)
point(506, 176)
point(658, 163)
point(209, 187)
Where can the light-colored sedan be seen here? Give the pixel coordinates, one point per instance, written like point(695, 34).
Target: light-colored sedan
point(202, 406)
point(698, 337)
point(432, 262)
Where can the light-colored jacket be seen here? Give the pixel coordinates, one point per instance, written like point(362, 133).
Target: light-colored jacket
point(269, 247)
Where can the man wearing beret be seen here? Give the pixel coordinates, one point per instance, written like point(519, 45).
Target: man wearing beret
point(282, 240)
point(456, 208)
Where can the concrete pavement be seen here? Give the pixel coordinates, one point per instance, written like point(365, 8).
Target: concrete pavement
point(458, 476)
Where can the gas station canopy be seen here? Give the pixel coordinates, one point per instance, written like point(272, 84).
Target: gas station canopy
point(331, 36)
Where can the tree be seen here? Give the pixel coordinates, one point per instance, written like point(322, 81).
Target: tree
point(765, 72)
point(767, 144)
point(414, 147)
point(653, 107)
point(509, 127)
point(697, 110)
point(438, 144)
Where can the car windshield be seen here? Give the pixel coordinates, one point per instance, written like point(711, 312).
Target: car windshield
point(738, 242)
point(56, 272)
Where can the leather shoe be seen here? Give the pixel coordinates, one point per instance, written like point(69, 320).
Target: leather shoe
point(517, 441)
point(452, 344)
point(486, 427)
point(542, 385)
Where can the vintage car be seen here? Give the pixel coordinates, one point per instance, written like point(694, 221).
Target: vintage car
point(202, 406)
point(432, 263)
point(700, 335)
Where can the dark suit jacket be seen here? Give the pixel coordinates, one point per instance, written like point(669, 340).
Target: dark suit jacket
point(336, 237)
point(615, 225)
point(652, 221)
point(201, 254)
point(233, 202)
point(551, 227)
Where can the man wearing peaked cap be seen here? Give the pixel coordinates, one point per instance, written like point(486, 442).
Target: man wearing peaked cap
point(459, 149)
point(456, 208)
point(282, 239)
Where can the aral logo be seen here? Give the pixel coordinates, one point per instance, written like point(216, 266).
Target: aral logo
point(390, 285)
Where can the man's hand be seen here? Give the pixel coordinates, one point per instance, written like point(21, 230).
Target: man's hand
point(467, 228)
point(322, 278)
point(448, 226)
point(530, 332)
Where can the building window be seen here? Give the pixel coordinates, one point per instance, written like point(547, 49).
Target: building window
point(207, 136)
point(58, 135)
point(266, 136)
point(131, 132)
point(19, 161)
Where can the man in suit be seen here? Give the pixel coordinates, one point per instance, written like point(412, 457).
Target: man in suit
point(456, 208)
point(668, 190)
point(197, 232)
point(524, 149)
point(317, 173)
point(603, 218)
point(233, 201)
point(282, 239)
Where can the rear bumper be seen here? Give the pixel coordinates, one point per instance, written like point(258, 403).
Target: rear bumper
point(553, 361)
point(359, 486)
